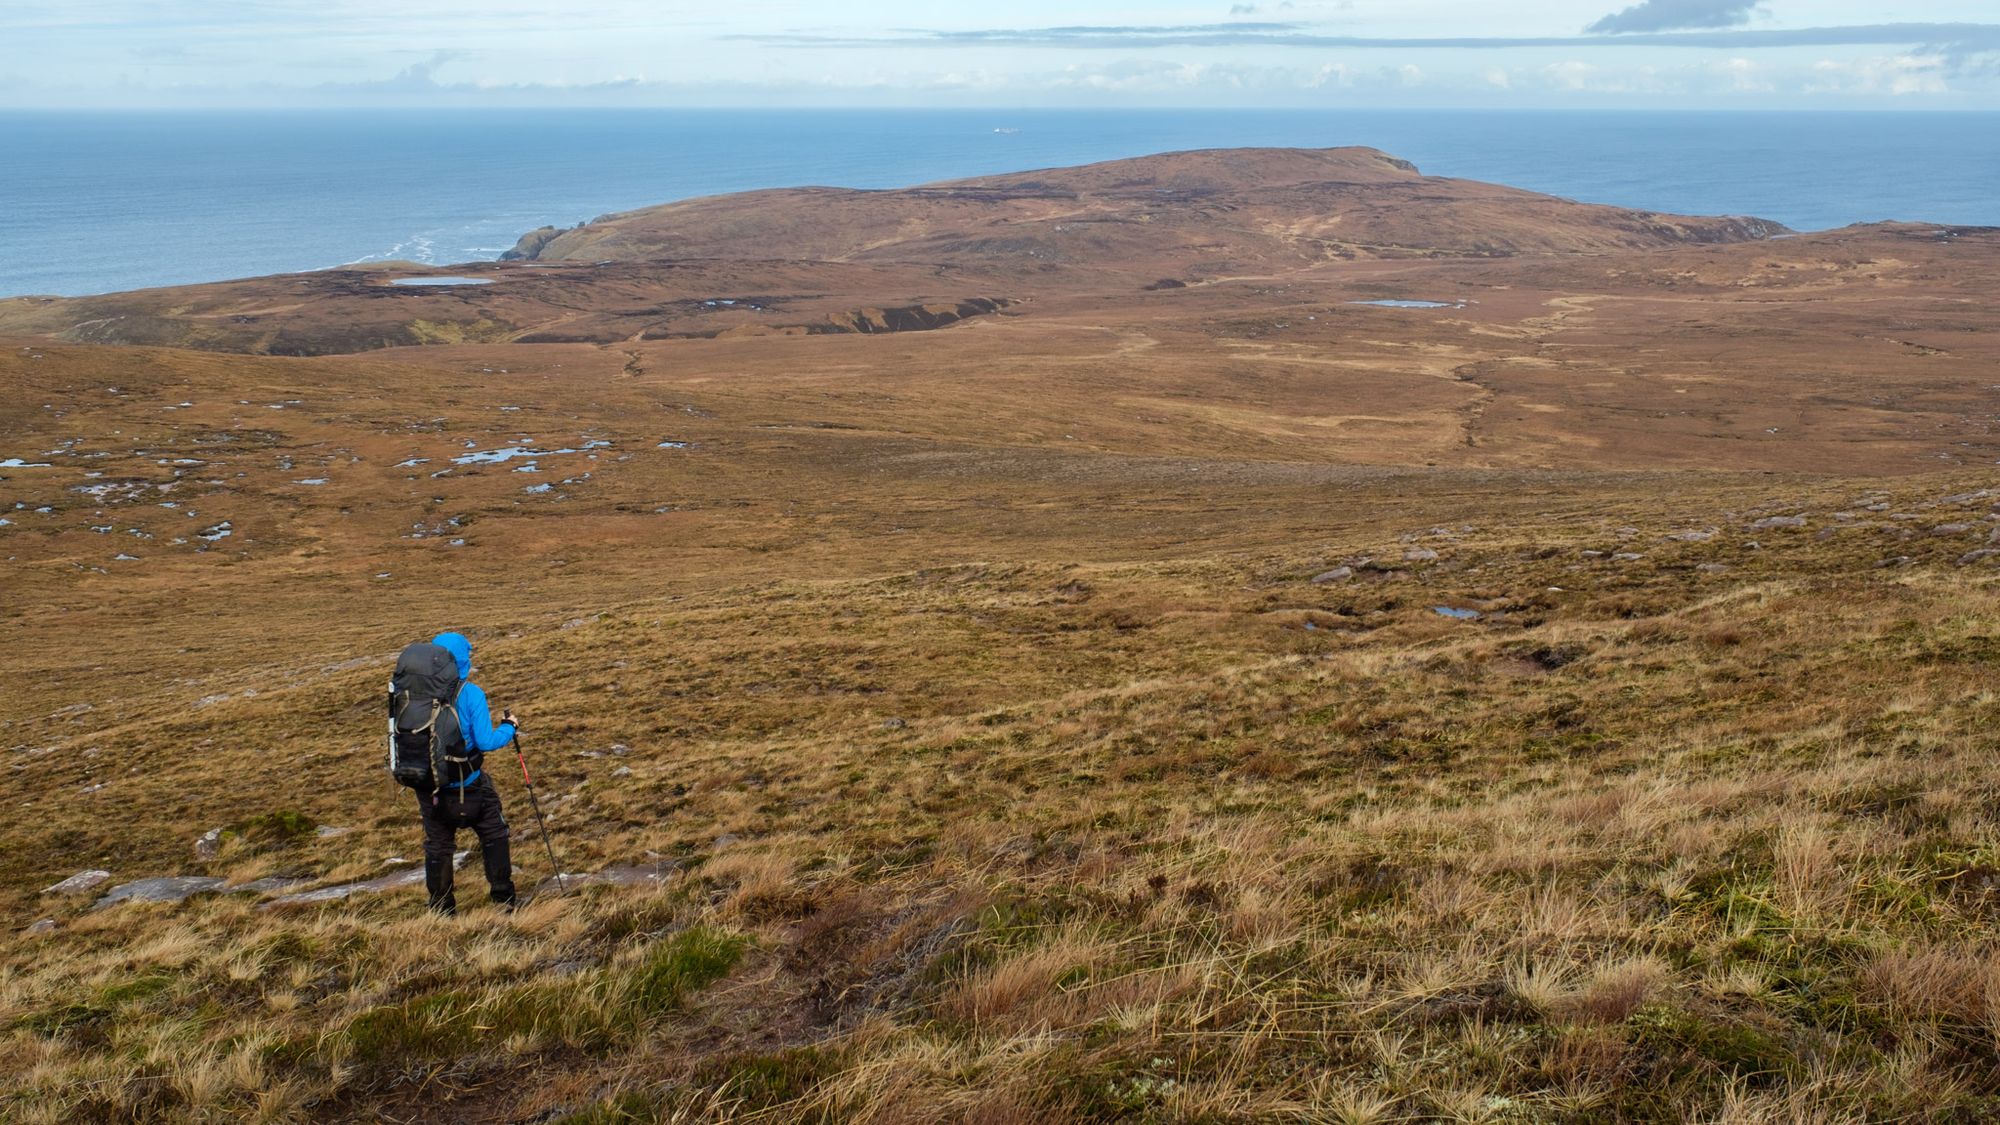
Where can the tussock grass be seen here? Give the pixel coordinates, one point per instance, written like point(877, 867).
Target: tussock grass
point(1660, 845)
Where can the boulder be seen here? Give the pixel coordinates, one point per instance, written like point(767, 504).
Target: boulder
point(78, 883)
point(165, 888)
point(1779, 521)
point(209, 844)
point(1337, 574)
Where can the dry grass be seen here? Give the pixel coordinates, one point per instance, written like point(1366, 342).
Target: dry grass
point(1045, 802)
point(1660, 881)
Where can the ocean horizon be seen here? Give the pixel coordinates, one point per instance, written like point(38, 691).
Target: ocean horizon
point(99, 201)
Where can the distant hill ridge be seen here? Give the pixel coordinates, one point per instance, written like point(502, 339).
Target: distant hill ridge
point(1339, 202)
point(812, 260)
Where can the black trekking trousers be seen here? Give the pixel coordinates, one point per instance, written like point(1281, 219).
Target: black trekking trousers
point(444, 814)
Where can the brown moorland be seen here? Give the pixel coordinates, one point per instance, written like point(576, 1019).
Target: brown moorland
point(1037, 649)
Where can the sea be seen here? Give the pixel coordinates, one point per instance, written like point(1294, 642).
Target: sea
point(93, 202)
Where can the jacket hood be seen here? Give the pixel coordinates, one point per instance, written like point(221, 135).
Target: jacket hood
point(460, 649)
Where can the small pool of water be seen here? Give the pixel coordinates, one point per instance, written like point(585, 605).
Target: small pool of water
point(442, 281)
point(1402, 304)
point(1456, 614)
point(509, 453)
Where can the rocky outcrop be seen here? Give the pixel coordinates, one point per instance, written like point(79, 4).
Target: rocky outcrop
point(910, 318)
point(168, 888)
point(531, 244)
point(82, 882)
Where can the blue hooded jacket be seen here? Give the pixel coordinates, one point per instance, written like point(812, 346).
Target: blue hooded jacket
point(475, 719)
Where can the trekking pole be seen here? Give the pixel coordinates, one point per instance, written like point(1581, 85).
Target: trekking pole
point(522, 757)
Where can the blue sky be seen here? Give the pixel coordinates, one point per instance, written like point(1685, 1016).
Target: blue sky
point(1774, 54)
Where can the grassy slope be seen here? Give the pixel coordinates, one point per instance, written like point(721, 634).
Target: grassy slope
point(966, 687)
point(1662, 842)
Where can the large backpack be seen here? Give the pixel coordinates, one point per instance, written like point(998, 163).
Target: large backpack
point(427, 747)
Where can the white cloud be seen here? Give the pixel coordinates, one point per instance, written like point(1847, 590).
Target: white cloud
point(1332, 74)
point(1571, 74)
point(1895, 76)
point(1744, 76)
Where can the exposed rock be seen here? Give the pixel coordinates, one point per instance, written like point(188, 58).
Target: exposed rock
point(209, 844)
point(165, 888)
point(529, 245)
point(1982, 554)
point(270, 884)
point(325, 831)
point(1951, 529)
point(1627, 556)
point(617, 875)
point(45, 926)
point(1420, 554)
point(1779, 521)
point(726, 839)
point(894, 724)
point(622, 771)
point(1691, 536)
point(78, 883)
point(1895, 560)
point(1711, 568)
point(620, 749)
point(1337, 574)
point(409, 877)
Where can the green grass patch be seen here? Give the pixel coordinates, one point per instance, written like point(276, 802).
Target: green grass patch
point(679, 967)
point(767, 1081)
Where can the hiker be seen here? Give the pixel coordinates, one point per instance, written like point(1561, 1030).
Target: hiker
point(453, 789)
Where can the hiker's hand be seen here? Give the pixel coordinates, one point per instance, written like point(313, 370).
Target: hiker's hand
point(507, 716)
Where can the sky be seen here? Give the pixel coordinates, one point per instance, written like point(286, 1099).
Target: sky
point(1643, 54)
